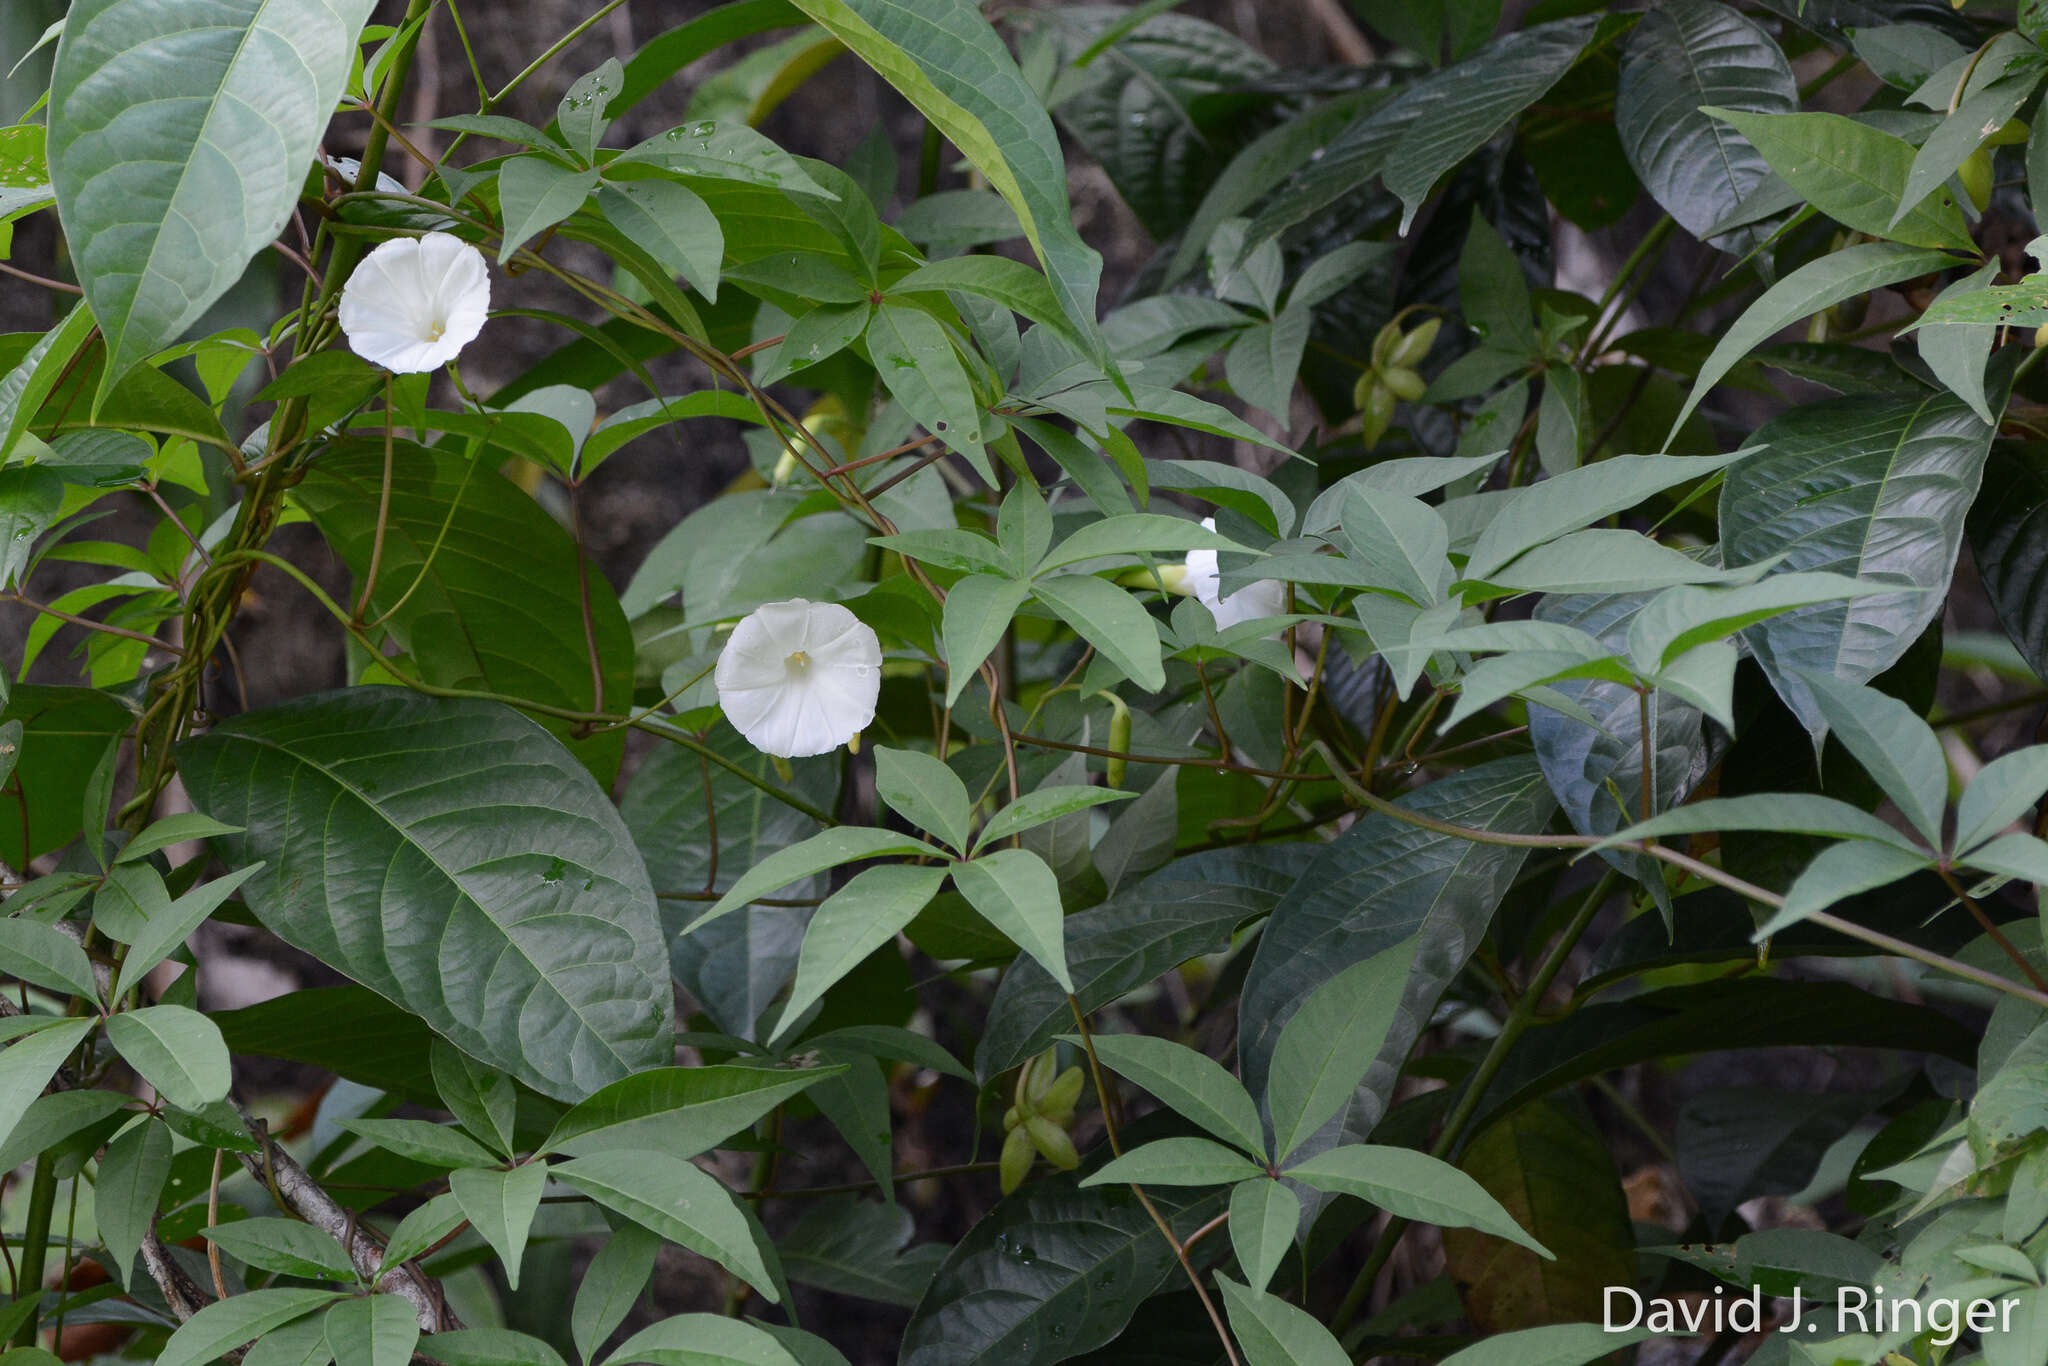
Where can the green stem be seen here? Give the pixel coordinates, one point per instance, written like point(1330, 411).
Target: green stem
point(1520, 1016)
point(35, 1243)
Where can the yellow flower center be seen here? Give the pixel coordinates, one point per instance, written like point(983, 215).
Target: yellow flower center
point(799, 662)
point(436, 328)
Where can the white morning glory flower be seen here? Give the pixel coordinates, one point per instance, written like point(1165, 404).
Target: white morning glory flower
point(799, 678)
point(1261, 598)
point(415, 302)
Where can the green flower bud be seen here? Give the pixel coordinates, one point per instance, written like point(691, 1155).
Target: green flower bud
point(1062, 1094)
point(1016, 1163)
point(1404, 383)
point(1412, 348)
point(1052, 1143)
point(1383, 344)
point(1376, 414)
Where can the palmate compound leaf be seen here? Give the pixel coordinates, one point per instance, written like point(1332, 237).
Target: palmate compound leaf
point(453, 857)
point(179, 139)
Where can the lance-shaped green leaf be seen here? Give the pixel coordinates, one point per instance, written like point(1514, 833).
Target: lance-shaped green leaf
point(703, 1340)
point(978, 611)
point(1133, 534)
point(128, 1189)
point(1381, 883)
point(1412, 1185)
point(1682, 619)
point(679, 1110)
point(946, 60)
point(1893, 744)
point(1017, 893)
point(163, 935)
point(1264, 1216)
point(1435, 123)
point(1571, 500)
point(1963, 131)
point(437, 1145)
point(1855, 174)
point(1000, 280)
point(611, 1286)
point(1274, 1332)
point(1794, 813)
point(467, 868)
point(36, 374)
point(290, 1247)
point(500, 1206)
point(1330, 1043)
point(855, 921)
point(1111, 620)
point(1558, 1344)
point(1838, 872)
point(671, 223)
point(227, 1324)
point(2003, 790)
point(1192, 1084)
point(917, 363)
point(1177, 1162)
point(826, 849)
point(372, 1330)
point(1959, 355)
point(1872, 488)
point(178, 1051)
point(535, 193)
point(45, 957)
point(179, 140)
point(27, 1064)
point(676, 1199)
point(925, 792)
point(1817, 285)
point(1047, 804)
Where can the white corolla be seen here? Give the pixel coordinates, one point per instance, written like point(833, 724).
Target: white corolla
point(415, 302)
point(1260, 598)
point(799, 678)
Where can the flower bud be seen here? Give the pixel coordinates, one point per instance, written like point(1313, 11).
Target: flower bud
point(1016, 1162)
point(1051, 1141)
point(1404, 383)
point(1114, 769)
point(1412, 348)
point(1062, 1094)
point(1375, 415)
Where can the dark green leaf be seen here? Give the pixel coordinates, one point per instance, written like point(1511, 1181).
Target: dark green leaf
point(489, 583)
point(1874, 488)
point(1683, 56)
point(1549, 1168)
point(1187, 909)
point(128, 1189)
point(1049, 1273)
point(531, 940)
point(178, 142)
point(1379, 883)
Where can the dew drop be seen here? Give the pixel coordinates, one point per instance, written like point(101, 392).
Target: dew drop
point(703, 128)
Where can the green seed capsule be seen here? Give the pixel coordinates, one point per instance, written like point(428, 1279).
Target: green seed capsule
point(1383, 344)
